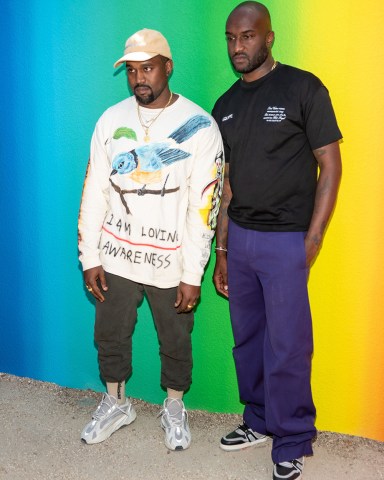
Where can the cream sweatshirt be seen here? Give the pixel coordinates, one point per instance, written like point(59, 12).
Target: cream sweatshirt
point(149, 208)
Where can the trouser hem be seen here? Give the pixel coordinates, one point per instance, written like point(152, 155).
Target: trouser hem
point(288, 453)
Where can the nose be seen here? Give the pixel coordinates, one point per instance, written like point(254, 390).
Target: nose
point(140, 77)
point(238, 47)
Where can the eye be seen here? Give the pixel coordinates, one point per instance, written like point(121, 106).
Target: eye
point(130, 70)
point(230, 38)
point(147, 69)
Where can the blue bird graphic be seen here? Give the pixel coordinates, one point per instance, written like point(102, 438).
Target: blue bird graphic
point(145, 163)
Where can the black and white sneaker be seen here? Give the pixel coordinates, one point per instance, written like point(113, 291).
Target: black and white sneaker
point(290, 470)
point(240, 438)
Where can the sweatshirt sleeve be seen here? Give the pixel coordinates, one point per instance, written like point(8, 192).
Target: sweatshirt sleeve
point(95, 200)
point(205, 188)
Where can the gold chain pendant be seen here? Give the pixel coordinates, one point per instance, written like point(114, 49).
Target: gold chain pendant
point(147, 127)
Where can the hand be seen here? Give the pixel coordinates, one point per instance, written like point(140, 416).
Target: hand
point(220, 277)
point(312, 247)
point(186, 297)
point(90, 278)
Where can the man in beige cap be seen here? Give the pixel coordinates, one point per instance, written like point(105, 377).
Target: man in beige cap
point(146, 222)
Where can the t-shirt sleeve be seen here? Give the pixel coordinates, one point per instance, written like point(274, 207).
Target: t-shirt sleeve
point(217, 116)
point(320, 121)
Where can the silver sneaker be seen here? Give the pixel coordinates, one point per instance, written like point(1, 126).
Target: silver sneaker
point(108, 417)
point(174, 421)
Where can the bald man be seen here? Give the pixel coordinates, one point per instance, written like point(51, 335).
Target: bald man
point(282, 175)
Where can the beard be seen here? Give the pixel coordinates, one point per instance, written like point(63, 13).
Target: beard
point(147, 99)
point(253, 63)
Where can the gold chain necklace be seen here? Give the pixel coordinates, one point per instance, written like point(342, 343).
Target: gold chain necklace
point(148, 125)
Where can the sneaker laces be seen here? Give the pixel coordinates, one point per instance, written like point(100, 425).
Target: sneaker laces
point(244, 427)
point(107, 402)
point(176, 418)
point(297, 464)
point(249, 433)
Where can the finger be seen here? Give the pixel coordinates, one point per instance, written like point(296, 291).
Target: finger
point(221, 285)
point(95, 291)
point(225, 284)
point(217, 280)
point(179, 298)
point(190, 305)
point(103, 281)
point(185, 309)
point(183, 306)
point(225, 291)
point(218, 284)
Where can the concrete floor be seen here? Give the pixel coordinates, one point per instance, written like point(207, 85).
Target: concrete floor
point(40, 425)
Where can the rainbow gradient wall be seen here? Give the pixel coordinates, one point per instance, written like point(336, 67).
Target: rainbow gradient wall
point(57, 78)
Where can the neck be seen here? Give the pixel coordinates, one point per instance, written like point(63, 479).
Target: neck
point(260, 72)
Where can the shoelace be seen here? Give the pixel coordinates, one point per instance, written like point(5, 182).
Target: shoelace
point(248, 432)
point(243, 427)
point(174, 419)
point(104, 406)
point(296, 464)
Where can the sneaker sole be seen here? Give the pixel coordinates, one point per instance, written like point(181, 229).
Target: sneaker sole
point(241, 446)
point(287, 478)
point(179, 448)
point(112, 428)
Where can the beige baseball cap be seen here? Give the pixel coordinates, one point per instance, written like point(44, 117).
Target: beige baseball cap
point(143, 45)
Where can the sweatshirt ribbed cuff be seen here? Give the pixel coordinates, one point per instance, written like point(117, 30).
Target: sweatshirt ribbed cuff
point(191, 278)
point(90, 262)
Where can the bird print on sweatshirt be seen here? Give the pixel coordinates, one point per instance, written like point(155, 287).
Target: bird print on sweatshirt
point(145, 163)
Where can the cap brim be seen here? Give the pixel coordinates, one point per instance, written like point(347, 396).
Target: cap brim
point(135, 57)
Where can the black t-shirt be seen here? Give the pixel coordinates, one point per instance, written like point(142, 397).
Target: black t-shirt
point(270, 128)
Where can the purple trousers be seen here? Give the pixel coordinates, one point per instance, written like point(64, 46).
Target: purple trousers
point(272, 327)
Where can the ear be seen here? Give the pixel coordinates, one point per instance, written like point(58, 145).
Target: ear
point(270, 39)
point(168, 67)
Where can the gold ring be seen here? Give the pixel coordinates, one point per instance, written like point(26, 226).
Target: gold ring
point(190, 306)
point(89, 289)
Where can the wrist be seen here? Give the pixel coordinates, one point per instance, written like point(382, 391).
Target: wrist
point(315, 238)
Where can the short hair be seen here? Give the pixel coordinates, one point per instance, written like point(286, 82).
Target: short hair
point(259, 7)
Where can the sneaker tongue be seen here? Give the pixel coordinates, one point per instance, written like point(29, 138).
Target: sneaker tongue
point(175, 407)
point(106, 403)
